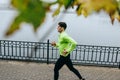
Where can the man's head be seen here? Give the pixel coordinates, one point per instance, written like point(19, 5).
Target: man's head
point(61, 26)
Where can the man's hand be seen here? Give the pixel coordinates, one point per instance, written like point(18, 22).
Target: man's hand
point(53, 43)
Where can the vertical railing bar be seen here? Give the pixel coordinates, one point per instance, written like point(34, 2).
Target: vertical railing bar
point(117, 51)
point(27, 52)
point(16, 49)
point(8, 48)
point(117, 54)
point(48, 51)
point(79, 48)
point(35, 51)
point(88, 53)
point(4, 49)
point(84, 53)
point(100, 54)
point(37, 54)
point(119, 65)
point(32, 49)
point(0, 49)
point(92, 53)
point(52, 53)
point(43, 50)
point(112, 56)
point(39, 50)
point(76, 55)
point(96, 54)
point(19, 49)
point(12, 49)
point(108, 56)
point(104, 54)
point(72, 56)
point(24, 50)
point(56, 53)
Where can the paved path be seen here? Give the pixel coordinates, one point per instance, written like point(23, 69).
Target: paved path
point(13, 70)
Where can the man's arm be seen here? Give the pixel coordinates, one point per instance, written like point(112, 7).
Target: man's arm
point(71, 44)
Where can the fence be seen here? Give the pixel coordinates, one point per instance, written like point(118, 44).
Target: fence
point(44, 52)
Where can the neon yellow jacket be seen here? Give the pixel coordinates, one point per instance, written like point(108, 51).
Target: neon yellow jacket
point(65, 42)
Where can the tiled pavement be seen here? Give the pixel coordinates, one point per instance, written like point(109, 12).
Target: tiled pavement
point(14, 70)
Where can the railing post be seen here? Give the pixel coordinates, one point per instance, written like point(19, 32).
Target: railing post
point(0, 48)
point(119, 65)
point(48, 51)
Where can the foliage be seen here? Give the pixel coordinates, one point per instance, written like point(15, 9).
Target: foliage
point(34, 11)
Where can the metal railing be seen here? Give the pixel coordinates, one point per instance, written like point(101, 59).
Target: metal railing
point(44, 52)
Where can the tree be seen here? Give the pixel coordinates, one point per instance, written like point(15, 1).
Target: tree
point(34, 11)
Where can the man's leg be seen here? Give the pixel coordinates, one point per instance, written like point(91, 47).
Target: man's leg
point(70, 66)
point(58, 66)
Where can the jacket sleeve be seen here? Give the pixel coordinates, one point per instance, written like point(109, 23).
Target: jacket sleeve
point(71, 44)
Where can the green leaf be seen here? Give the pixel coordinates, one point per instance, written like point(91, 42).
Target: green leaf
point(14, 26)
point(57, 11)
point(30, 11)
point(66, 3)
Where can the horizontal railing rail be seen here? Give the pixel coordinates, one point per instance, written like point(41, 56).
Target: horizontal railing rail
point(44, 52)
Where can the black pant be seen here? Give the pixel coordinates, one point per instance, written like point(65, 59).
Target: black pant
point(65, 60)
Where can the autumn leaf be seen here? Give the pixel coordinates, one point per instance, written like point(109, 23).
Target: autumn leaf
point(87, 7)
